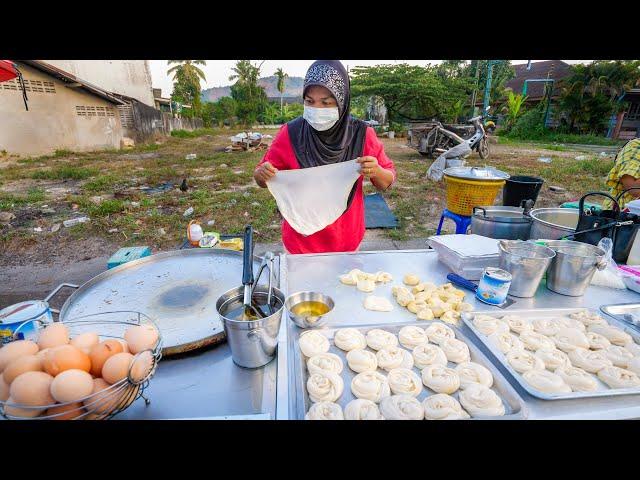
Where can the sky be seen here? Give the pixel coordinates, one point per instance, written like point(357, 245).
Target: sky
point(218, 71)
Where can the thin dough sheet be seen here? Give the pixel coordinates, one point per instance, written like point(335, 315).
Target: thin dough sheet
point(310, 199)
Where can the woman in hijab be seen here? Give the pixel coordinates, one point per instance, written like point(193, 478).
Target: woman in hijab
point(328, 134)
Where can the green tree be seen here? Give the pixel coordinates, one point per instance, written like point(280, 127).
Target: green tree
point(291, 111)
point(281, 84)
point(250, 97)
point(225, 111)
point(186, 86)
point(513, 108)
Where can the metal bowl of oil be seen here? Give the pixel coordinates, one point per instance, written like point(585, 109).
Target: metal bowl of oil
point(309, 309)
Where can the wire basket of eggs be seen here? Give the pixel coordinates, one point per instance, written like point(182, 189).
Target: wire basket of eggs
point(88, 368)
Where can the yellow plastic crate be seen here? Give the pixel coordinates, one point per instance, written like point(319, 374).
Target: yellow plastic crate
point(464, 194)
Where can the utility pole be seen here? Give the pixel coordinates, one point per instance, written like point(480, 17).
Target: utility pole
point(475, 89)
point(487, 88)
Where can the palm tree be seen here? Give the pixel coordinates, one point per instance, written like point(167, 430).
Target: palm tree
point(188, 68)
point(280, 86)
point(513, 108)
point(245, 73)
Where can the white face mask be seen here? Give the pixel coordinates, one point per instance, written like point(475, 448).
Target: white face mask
point(321, 119)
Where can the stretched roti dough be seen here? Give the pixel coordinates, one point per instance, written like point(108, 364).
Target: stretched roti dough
point(310, 199)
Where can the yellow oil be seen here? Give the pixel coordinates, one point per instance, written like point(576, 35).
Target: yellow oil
point(309, 309)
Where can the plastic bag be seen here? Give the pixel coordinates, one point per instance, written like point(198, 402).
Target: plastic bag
point(610, 276)
point(436, 170)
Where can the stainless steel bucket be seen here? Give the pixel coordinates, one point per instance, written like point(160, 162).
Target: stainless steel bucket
point(553, 223)
point(253, 343)
point(527, 263)
point(573, 267)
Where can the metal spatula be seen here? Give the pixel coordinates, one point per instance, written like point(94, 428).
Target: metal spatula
point(469, 285)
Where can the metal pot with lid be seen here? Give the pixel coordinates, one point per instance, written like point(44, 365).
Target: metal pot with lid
point(505, 223)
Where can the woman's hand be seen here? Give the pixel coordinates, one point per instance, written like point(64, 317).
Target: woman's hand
point(369, 167)
point(264, 173)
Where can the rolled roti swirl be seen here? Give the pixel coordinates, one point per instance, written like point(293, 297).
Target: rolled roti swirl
point(568, 339)
point(360, 360)
point(401, 407)
point(481, 401)
point(362, 409)
point(471, 373)
point(403, 381)
point(553, 358)
point(619, 356)
point(325, 362)
point(589, 360)
point(438, 332)
point(523, 360)
point(440, 379)
point(348, 339)
point(569, 322)
point(390, 358)
point(455, 350)
point(633, 348)
point(428, 354)
point(443, 407)
point(324, 411)
point(634, 365)
point(505, 341)
point(588, 318)
point(546, 326)
point(370, 385)
point(377, 339)
point(597, 341)
point(312, 343)
point(366, 285)
point(546, 381)
point(577, 379)
point(535, 341)
point(487, 325)
point(613, 334)
point(324, 387)
point(617, 377)
point(411, 336)
point(517, 324)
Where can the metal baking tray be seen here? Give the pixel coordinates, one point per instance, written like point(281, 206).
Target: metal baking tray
point(603, 391)
point(515, 408)
point(626, 313)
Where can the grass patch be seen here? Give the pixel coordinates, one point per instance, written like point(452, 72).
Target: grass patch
point(65, 172)
point(553, 137)
point(101, 183)
point(198, 132)
point(9, 201)
point(106, 208)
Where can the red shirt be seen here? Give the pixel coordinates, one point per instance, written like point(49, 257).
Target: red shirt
point(346, 233)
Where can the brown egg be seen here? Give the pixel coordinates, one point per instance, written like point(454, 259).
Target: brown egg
point(53, 335)
point(20, 412)
point(85, 341)
point(42, 353)
point(4, 389)
point(117, 367)
point(103, 403)
point(33, 389)
point(101, 352)
point(28, 363)
point(66, 412)
point(65, 357)
point(125, 347)
point(16, 349)
point(71, 386)
point(141, 366)
point(141, 337)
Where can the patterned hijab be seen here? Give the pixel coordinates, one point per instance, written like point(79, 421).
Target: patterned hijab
point(342, 142)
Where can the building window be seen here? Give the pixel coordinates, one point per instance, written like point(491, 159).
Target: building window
point(633, 114)
point(126, 116)
point(94, 111)
point(32, 86)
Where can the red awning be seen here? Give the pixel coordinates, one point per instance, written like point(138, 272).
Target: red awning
point(7, 70)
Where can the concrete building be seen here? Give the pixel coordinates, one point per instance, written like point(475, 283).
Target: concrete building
point(65, 112)
point(125, 77)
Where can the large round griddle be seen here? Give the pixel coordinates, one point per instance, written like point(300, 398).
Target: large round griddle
point(177, 289)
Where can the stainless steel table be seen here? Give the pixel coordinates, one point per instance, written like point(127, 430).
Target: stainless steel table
point(320, 272)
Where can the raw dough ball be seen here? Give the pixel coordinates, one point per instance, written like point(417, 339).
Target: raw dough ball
point(471, 373)
point(440, 379)
point(324, 387)
point(362, 409)
point(325, 362)
point(589, 360)
point(450, 316)
point(312, 343)
point(411, 279)
point(439, 309)
point(634, 366)
point(324, 411)
point(438, 332)
point(370, 385)
point(572, 323)
point(377, 304)
point(428, 354)
point(378, 339)
point(617, 377)
point(546, 326)
point(383, 277)
point(522, 361)
point(422, 296)
point(401, 407)
point(577, 379)
point(568, 339)
point(464, 307)
point(404, 298)
point(517, 324)
point(481, 401)
point(588, 318)
point(488, 325)
point(597, 341)
point(418, 288)
point(613, 334)
point(456, 350)
point(425, 314)
point(443, 407)
point(350, 278)
point(535, 341)
point(366, 285)
point(362, 360)
point(415, 307)
point(553, 358)
point(619, 356)
point(398, 289)
point(404, 381)
point(349, 339)
point(411, 336)
point(545, 381)
point(505, 341)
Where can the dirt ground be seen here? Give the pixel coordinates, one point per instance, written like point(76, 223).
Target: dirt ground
point(37, 194)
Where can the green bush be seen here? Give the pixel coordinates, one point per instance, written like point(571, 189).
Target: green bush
point(66, 172)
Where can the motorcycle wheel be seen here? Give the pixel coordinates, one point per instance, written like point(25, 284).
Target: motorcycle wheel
point(483, 148)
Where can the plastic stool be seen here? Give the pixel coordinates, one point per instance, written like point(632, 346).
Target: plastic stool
point(462, 221)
